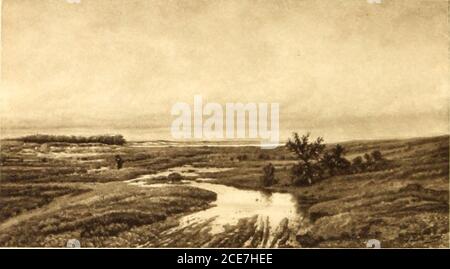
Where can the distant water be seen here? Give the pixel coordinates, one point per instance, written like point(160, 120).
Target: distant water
point(136, 137)
point(131, 134)
point(165, 143)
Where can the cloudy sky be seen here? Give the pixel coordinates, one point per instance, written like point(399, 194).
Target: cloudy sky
point(344, 69)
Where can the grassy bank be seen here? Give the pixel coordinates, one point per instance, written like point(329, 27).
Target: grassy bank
point(405, 205)
point(106, 216)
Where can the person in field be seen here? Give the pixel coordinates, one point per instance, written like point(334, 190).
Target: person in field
point(119, 162)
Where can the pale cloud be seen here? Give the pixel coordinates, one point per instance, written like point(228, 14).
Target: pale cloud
point(116, 62)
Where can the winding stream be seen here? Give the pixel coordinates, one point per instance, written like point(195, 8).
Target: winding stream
point(276, 213)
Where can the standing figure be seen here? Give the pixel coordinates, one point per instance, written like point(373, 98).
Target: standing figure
point(119, 161)
point(268, 178)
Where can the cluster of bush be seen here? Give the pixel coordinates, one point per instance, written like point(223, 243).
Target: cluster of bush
point(316, 163)
point(103, 139)
point(369, 162)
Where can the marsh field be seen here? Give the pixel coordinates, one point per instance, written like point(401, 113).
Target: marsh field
point(211, 196)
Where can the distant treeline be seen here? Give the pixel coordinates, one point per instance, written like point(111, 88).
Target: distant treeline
point(103, 139)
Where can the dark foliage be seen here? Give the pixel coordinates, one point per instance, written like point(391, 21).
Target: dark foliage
point(376, 156)
point(308, 169)
point(357, 164)
point(371, 162)
point(333, 162)
point(314, 164)
point(103, 139)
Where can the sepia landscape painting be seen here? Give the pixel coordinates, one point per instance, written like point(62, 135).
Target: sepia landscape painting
point(224, 124)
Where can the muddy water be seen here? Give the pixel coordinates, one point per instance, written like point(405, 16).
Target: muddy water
point(276, 214)
point(187, 171)
point(233, 204)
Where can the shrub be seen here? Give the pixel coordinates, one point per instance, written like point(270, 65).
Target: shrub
point(333, 162)
point(376, 156)
point(357, 164)
point(357, 161)
point(371, 162)
point(305, 174)
point(368, 158)
point(308, 169)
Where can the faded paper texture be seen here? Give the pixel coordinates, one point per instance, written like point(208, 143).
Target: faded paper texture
point(114, 127)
